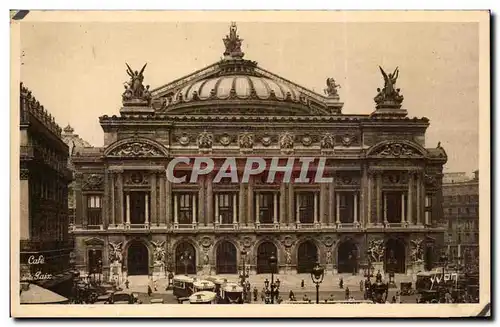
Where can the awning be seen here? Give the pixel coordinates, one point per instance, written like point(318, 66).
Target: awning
point(34, 294)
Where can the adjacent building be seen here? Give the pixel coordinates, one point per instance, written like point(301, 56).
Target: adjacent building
point(382, 209)
point(461, 211)
point(44, 176)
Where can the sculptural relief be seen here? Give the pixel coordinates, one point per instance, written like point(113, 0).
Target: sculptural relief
point(246, 140)
point(134, 89)
point(159, 252)
point(329, 257)
point(331, 88)
point(93, 182)
point(205, 140)
point(115, 252)
point(225, 139)
point(397, 150)
point(389, 94)
point(328, 141)
point(286, 141)
point(417, 253)
point(376, 249)
point(288, 256)
point(136, 149)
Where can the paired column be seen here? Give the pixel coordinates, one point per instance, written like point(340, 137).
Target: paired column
point(282, 218)
point(275, 208)
point(112, 197)
point(291, 203)
point(194, 210)
point(154, 203)
point(128, 209)
point(210, 200)
point(159, 219)
point(322, 203)
point(409, 217)
point(257, 208)
point(146, 209)
point(379, 198)
point(315, 207)
point(385, 208)
point(241, 204)
point(217, 218)
point(120, 200)
point(419, 198)
point(235, 208)
point(355, 208)
point(176, 209)
point(337, 208)
point(297, 209)
point(250, 211)
point(331, 209)
point(402, 208)
point(167, 218)
point(201, 201)
point(369, 200)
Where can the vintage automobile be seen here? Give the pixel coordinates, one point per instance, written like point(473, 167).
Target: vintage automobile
point(183, 287)
point(203, 297)
point(406, 288)
point(231, 293)
point(123, 297)
point(203, 285)
point(103, 299)
point(218, 282)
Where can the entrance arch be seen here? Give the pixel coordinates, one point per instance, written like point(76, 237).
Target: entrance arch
point(347, 257)
point(137, 259)
point(264, 251)
point(307, 255)
point(226, 259)
point(185, 258)
point(395, 256)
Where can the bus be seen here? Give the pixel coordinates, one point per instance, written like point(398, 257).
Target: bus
point(183, 286)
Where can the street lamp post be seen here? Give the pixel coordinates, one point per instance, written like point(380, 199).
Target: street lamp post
point(244, 274)
point(186, 259)
point(317, 275)
point(99, 267)
point(273, 288)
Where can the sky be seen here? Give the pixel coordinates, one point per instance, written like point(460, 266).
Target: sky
point(77, 70)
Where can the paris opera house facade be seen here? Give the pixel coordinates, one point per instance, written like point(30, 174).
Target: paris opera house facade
point(382, 208)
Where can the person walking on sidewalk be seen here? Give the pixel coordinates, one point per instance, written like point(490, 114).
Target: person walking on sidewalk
point(341, 282)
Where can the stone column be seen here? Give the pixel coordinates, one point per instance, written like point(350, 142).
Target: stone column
point(112, 199)
point(291, 203)
point(84, 211)
point(217, 218)
point(128, 209)
point(402, 208)
point(235, 209)
point(337, 208)
point(419, 198)
point(369, 200)
point(257, 208)
point(78, 199)
point(201, 202)
point(146, 209)
point(241, 205)
point(194, 209)
point(322, 203)
point(423, 196)
point(176, 209)
point(385, 208)
point(297, 209)
point(275, 208)
point(427, 213)
point(120, 199)
point(210, 200)
point(379, 197)
point(282, 218)
point(154, 203)
point(159, 219)
point(105, 201)
point(355, 208)
point(331, 202)
point(250, 208)
point(315, 207)
point(363, 196)
point(409, 217)
point(167, 219)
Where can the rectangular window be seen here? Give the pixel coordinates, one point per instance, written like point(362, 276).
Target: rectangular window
point(306, 207)
point(185, 208)
point(395, 203)
point(226, 205)
point(266, 207)
point(94, 212)
point(346, 207)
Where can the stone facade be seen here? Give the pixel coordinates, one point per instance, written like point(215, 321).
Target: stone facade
point(461, 212)
point(44, 176)
point(384, 202)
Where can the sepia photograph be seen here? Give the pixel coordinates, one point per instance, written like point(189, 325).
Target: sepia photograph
point(277, 162)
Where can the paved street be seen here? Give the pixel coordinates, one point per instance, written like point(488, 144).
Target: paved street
point(139, 285)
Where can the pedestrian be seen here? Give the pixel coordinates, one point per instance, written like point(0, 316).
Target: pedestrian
point(393, 299)
point(341, 282)
point(291, 296)
point(347, 293)
point(155, 285)
point(398, 297)
point(255, 294)
point(331, 298)
point(305, 298)
point(302, 284)
point(149, 290)
point(263, 294)
point(127, 283)
point(361, 285)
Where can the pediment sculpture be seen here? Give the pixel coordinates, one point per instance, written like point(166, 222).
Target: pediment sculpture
point(93, 182)
point(331, 88)
point(136, 149)
point(328, 141)
point(397, 150)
